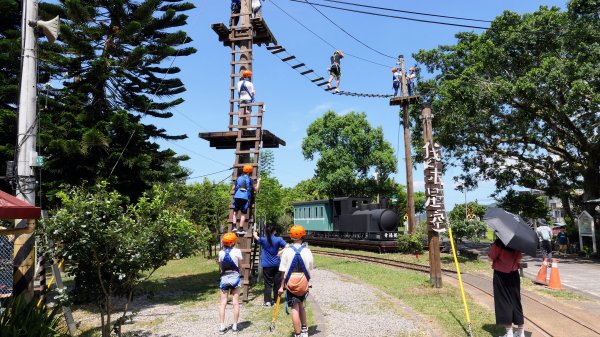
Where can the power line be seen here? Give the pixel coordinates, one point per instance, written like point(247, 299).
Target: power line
point(408, 12)
point(210, 174)
point(322, 39)
point(343, 30)
point(392, 16)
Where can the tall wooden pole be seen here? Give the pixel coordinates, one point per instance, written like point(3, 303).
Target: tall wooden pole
point(434, 192)
point(410, 201)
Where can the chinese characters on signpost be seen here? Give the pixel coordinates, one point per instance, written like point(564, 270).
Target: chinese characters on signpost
point(434, 187)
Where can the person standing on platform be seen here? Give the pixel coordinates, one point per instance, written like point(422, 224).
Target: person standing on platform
point(410, 81)
point(396, 80)
point(269, 261)
point(242, 196)
point(229, 262)
point(257, 8)
point(236, 6)
point(507, 288)
point(563, 241)
point(544, 234)
point(335, 69)
point(296, 264)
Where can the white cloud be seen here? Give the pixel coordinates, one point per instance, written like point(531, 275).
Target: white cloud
point(321, 108)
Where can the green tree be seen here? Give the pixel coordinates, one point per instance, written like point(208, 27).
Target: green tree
point(525, 204)
point(518, 103)
point(10, 37)
point(467, 224)
point(110, 248)
point(113, 65)
point(207, 205)
point(400, 207)
point(269, 200)
point(348, 148)
point(266, 164)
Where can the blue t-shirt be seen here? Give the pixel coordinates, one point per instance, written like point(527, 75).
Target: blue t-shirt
point(268, 255)
point(561, 238)
point(243, 187)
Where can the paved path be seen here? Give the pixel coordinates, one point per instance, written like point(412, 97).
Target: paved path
point(581, 275)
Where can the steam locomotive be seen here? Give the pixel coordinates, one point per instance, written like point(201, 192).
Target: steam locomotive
point(347, 218)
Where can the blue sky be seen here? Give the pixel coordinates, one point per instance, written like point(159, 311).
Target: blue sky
point(292, 101)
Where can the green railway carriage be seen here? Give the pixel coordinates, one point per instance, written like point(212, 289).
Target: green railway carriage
point(347, 218)
point(314, 215)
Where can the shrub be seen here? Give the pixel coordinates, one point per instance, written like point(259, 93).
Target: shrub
point(24, 319)
point(411, 243)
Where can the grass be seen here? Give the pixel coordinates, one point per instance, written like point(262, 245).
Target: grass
point(442, 306)
point(466, 264)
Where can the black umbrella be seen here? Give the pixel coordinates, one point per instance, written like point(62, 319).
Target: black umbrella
point(512, 230)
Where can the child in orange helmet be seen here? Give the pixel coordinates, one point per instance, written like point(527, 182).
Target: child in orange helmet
point(335, 69)
point(230, 259)
point(396, 80)
point(296, 264)
point(242, 194)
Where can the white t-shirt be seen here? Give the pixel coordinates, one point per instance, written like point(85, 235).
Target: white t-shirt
point(288, 256)
point(256, 4)
point(244, 95)
point(236, 256)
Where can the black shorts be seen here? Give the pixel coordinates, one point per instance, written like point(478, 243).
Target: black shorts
point(240, 204)
point(335, 71)
point(294, 299)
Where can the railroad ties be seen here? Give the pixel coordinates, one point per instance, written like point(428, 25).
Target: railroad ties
point(319, 81)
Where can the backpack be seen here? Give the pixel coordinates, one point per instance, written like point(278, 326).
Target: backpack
point(297, 279)
point(227, 263)
point(545, 234)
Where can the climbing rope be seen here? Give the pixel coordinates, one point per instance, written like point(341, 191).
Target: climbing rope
point(311, 75)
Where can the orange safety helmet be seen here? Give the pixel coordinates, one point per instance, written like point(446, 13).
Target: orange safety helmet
point(394, 70)
point(229, 239)
point(247, 168)
point(297, 232)
point(246, 73)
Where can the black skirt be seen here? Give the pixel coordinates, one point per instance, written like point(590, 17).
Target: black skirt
point(507, 298)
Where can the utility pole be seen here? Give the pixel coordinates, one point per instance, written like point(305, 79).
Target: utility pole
point(24, 259)
point(410, 200)
point(434, 193)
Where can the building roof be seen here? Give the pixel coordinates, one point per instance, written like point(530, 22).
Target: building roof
point(13, 208)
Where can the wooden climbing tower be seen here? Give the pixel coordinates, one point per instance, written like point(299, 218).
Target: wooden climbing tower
point(244, 132)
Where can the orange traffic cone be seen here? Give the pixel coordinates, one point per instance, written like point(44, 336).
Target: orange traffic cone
point(541, 276)
point(555, 277)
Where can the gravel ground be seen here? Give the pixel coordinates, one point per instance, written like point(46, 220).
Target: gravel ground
point(349, 308)
point(354, 309)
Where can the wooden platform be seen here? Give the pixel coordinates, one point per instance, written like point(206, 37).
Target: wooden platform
point(400, 100)
point(227, 139)
point(262, 33)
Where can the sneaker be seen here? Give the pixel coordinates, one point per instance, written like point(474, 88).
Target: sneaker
point(267, 304)
point(241, 232)
point(234, 331)
point(304, 332)
point(223, 331)
point(337, 90)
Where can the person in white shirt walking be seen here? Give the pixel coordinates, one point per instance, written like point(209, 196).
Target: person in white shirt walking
point(296, 264)
point(544, 234)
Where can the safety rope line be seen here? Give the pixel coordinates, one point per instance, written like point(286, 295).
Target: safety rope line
point(312, 76)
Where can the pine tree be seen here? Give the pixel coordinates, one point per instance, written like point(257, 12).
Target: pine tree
point(10, 37)
point(113, 59)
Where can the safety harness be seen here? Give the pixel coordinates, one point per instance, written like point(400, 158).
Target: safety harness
point(297, 265)
point(244, 88)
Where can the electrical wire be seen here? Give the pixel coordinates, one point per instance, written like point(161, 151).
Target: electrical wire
point(343, 30)
point(392, 16)
point(210, 174)
point(408, 12)
point(322, 39)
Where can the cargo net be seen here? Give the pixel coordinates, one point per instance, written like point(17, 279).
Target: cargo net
point(6, 265)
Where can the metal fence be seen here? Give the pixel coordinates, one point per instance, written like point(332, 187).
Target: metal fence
point(7, 245)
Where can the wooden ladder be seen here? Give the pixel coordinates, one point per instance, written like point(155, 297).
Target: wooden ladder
point(246, 119)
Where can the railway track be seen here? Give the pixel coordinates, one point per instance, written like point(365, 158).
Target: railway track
point(549, 320)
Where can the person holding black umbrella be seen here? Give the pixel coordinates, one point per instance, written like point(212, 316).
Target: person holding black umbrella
point(507, 288)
